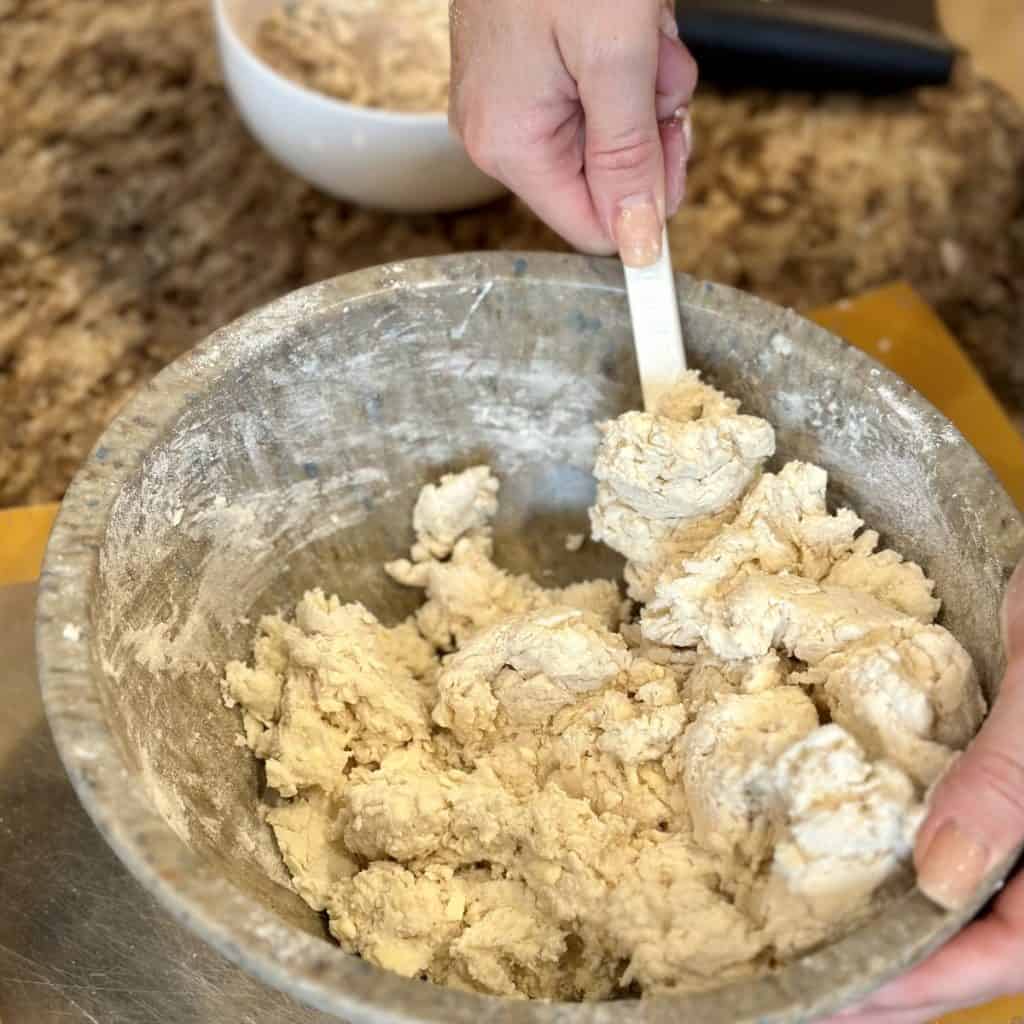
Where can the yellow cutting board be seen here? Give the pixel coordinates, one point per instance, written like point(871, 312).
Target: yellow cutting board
point(892, 324)
point(896, 327)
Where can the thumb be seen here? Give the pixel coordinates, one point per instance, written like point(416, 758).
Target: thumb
point(623, 159)
point(1013, 615)
point(976, 820)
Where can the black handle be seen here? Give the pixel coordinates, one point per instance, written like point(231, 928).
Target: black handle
point(790, 46)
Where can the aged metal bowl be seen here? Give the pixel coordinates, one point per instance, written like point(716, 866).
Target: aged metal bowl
point(287, 450)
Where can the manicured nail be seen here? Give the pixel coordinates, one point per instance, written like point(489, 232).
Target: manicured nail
point(1011, 617)
point(638, 228)
point(673, 142)
point(685, 118)
point(952, 867)
point(669, 25)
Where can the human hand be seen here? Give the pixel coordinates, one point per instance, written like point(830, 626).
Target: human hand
point(975, 821)
point(581, 109)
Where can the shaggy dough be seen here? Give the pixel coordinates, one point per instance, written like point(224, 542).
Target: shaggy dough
point(908, 695)
point(781, 536)
point(726, 758)
point(844, 826)
point(532, 792)
point(668, 481)
point(466, 592)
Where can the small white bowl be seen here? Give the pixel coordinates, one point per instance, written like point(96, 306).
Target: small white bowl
point(409, 163)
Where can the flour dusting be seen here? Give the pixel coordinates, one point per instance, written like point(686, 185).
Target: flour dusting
point(559, 793)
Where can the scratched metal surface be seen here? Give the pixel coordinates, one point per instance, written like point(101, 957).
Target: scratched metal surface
point(80, 940)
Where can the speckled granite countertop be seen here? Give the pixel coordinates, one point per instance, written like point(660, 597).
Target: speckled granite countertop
point(136, 214)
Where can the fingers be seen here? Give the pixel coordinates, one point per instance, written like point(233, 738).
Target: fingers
point(976, 819)
point(668, 24)
point(977, 813)
point(677, 76)
point(514, 105)
point(918, 1015)
point(628, 74)
point(982, 963)
point(1013, 615)
point(673, 147)
point(624, 163)
point(979, 965)
point(574, 108)
point(550, 180)
point(677, 146)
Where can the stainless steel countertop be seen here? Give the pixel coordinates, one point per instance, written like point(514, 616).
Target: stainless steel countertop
point(80, 940)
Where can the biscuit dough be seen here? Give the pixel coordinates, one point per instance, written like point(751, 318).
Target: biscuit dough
point(385, 54)
point(667, 482)
point(554, 793)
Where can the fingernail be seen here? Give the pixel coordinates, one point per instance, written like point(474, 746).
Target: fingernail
point(638, 230)
point(673, 142)
point(953, 866)
point(669, 25)
point(685, 118)
point(1011, 616)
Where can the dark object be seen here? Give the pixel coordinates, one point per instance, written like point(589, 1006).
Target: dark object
point(861, 45)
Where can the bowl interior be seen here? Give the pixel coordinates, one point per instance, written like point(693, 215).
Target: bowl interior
point(287, 452)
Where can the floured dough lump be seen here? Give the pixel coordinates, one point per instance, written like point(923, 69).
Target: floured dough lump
point(571, 793)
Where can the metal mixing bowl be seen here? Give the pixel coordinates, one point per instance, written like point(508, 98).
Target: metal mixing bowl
point(286, 451)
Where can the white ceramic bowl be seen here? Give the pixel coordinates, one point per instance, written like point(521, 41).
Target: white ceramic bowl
point(409, 163)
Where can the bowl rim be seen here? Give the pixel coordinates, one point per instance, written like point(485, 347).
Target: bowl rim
point(195, 892)
point(380, 116)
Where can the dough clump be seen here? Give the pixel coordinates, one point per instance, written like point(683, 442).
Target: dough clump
point(557, 793)
point(385, 54)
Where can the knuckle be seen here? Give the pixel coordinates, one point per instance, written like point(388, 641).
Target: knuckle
point(627, 154)
point(480, 142)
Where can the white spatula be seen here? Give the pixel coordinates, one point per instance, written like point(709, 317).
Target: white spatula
point(657, 334)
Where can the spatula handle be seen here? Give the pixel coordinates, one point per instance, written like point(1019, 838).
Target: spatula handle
point(656, 330)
